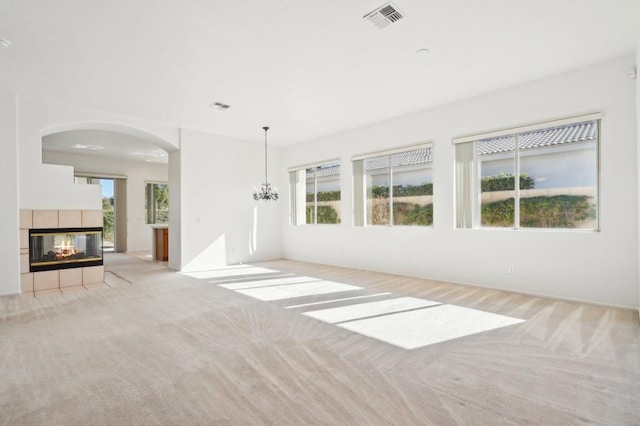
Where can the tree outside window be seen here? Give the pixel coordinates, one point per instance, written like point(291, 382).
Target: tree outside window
point(157, 202)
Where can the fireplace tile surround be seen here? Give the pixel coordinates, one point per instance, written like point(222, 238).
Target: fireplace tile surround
point(62, 280)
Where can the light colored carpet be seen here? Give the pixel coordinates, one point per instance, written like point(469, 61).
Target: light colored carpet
point(165, 348)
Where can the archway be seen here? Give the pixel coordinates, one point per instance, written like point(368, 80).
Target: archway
point(127, 158)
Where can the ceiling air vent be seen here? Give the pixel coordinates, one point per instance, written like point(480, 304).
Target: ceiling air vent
point(384, 16)
point(220, 105)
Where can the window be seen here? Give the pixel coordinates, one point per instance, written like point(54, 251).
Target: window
point(540, 176)
point(396, 188)
point(315, 194)
point(157, 202)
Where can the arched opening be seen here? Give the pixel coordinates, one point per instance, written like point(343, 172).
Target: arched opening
point(126, 162)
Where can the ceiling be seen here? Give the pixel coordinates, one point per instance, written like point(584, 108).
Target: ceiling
point(105, 143)
point(305, 68)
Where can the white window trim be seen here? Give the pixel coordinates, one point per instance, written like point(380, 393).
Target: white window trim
point(298, 194)
point(359, 210)
point(146, 185)
point(516, 131)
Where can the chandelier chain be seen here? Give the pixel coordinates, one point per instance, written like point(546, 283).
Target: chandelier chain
point(265, 154)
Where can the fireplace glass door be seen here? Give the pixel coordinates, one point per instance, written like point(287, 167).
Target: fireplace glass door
point(51, 249)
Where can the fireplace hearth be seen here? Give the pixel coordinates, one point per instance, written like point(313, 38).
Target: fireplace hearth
point(63, 248)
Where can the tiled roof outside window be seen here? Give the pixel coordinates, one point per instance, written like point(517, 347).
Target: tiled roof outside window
point(408, 158)
point(324, 171)
point(540, 138)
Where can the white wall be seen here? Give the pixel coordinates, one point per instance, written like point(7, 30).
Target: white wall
point(600, 267)
point(139, 235)
point(46, 186)
point(9, 253)
point(220, 222)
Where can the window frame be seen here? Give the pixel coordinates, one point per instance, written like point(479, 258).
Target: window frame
point(151, 201)
point(298, 194)
point(360, 187)
point(468, 211)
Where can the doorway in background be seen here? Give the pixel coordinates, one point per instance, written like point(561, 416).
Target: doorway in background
point(113, 210)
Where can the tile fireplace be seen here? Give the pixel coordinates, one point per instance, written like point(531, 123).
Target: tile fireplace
point(60, 251)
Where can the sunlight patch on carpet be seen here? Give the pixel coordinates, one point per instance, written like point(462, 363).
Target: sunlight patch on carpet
point(268, 282)
point(287, 291)
point(422, 327)
point(323, 302)
point(230, 271)
point(370, 309)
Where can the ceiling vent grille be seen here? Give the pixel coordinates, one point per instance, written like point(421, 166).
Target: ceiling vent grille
point(220, 105)
point(384, 16)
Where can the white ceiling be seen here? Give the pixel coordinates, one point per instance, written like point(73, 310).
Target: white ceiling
point(305, 68)
point(105, 143)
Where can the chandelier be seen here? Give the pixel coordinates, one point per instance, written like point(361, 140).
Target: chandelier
point(266, 193)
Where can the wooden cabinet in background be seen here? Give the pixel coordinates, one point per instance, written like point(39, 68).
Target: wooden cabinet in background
point(162, 243)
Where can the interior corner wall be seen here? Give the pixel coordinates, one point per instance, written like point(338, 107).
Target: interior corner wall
point(9, 214)
point(599, 267)
point(220, 222)
point(139, 233)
